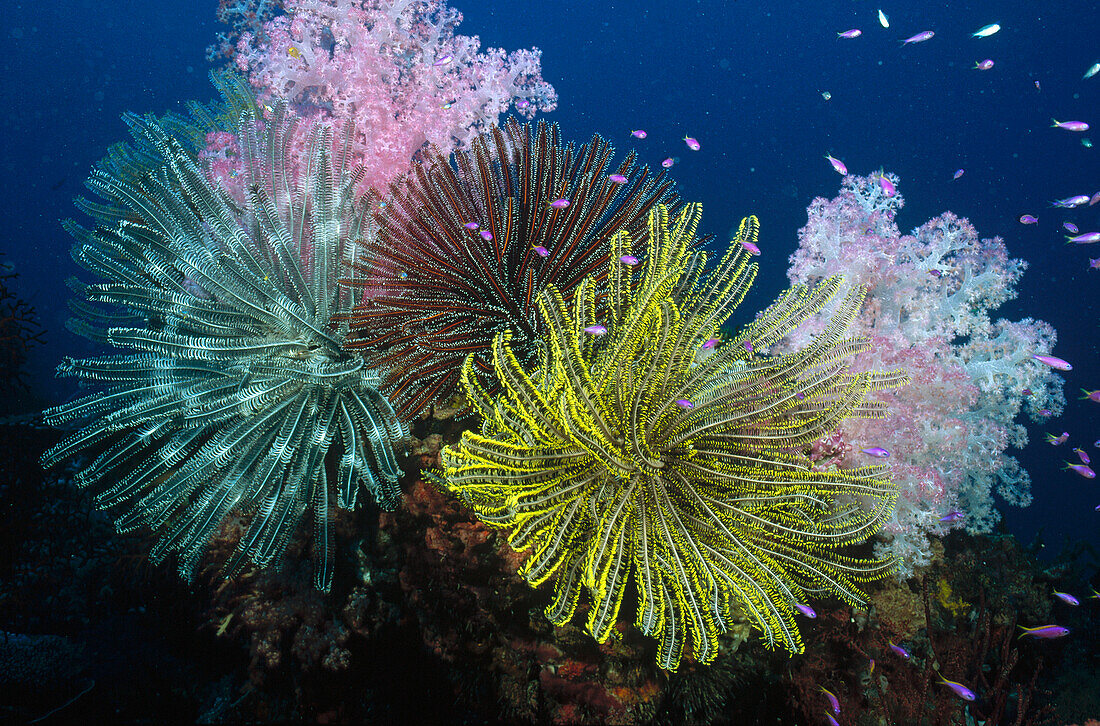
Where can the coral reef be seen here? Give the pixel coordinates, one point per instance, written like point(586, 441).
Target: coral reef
point(977, 647)
point(930, 295)
point(635, 450)
point(19, 330)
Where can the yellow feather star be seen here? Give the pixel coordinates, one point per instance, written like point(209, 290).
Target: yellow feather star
point(642, 453)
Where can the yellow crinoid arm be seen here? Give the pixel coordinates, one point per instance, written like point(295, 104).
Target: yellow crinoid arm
point(631, 453)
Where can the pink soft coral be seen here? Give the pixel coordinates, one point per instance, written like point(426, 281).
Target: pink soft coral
point(396, 70)
point(928, 307)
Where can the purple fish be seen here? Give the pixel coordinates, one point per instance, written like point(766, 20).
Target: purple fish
point(541, 251)
point(667, 163)
point(888, 187)
point(1094, 199)
point(1071, 202)
point(1045, 412)
point(748, 346)
point(829, 719)
point(486, 235)
point(1069, 125)
point(638, 133)
point(876, 451)
point(684, 403)
point(960, 690)
point(750, 247)
point(559, 203)
point(805, 610)
point(1070, 227)
point(1067, 598)
point(471, 225)
point(1082, 455)
point(899, 650)
point(1087, 238)
point(522, 103)
point(919, 37)
point(711, 343)
point(1093, 396)
point(595, 330)
point(444, 60)
point(617, 178)
point(1044, 631)
point(959, 172)
point(853, 33)
point(1081, 469)
point(692, 143)
point(952, 516)
point(1057, 440)
point(1026, 391)
point(984, 65)
point(1053, 362)
point(628, 260)
point(1028, 219)
point(833, 702)
point(838, 165)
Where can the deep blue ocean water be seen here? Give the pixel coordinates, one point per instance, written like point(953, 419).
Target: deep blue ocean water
point(745, 78)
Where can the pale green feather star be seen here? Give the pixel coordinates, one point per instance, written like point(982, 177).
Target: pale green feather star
point(640, 453)
point(234, 396)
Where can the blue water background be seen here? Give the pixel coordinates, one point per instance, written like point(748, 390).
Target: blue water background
point(744, 78)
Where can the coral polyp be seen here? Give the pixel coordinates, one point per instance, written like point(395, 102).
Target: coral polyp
point(634, 450)
point(234, 396)
point(465, 249)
